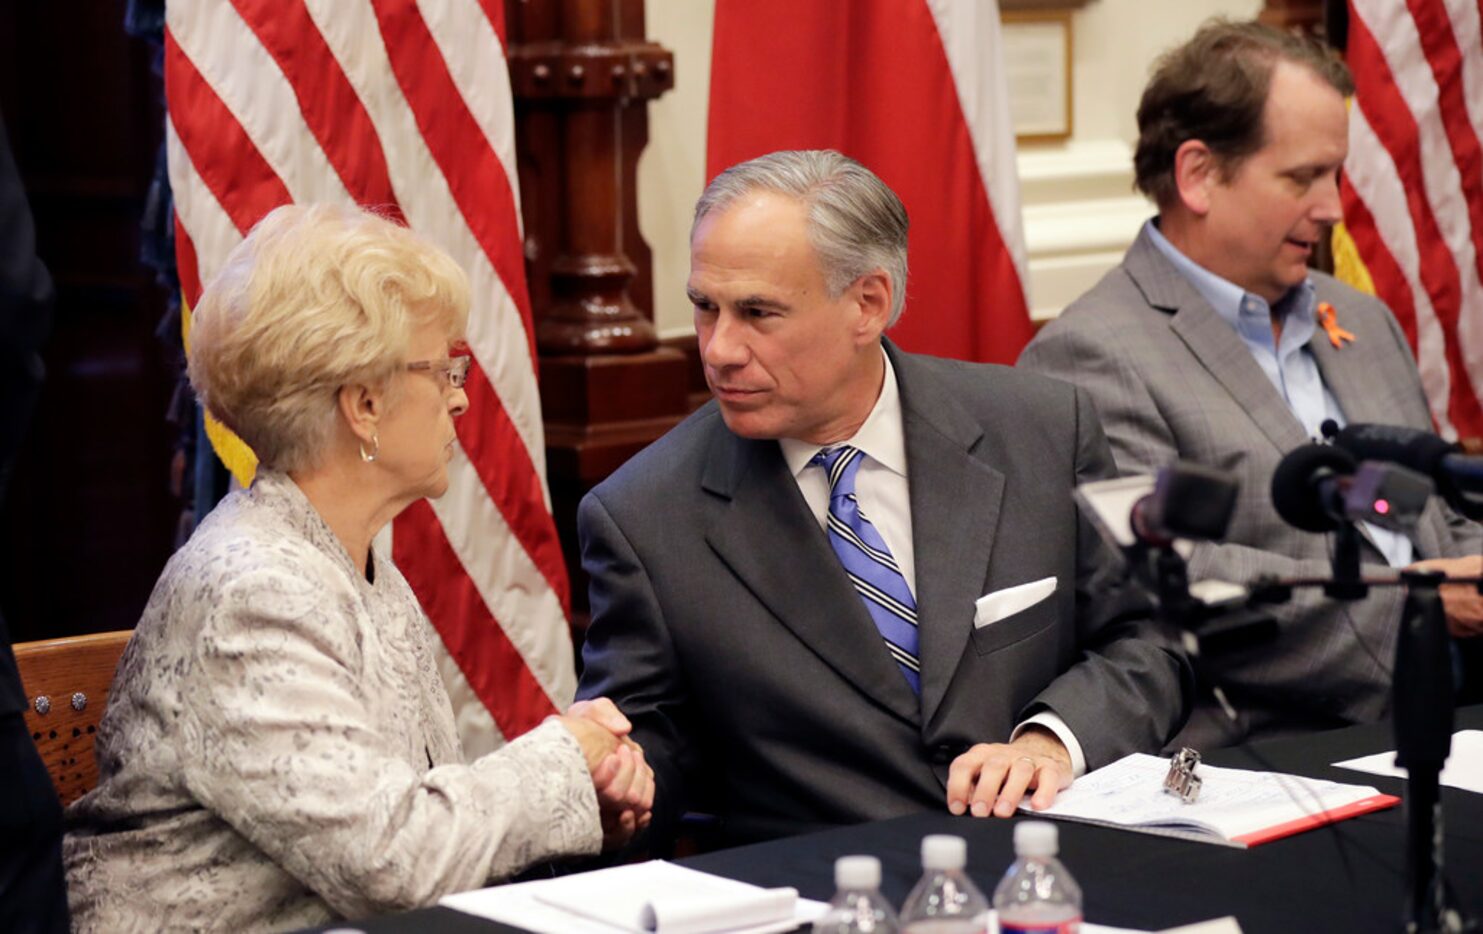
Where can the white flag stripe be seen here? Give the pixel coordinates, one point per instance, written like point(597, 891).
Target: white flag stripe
point(497, 335)
point(205, 221)
point(970, 35)
point(510, 584)
point(1374, 178)
point(476, 60)
point(477, 731)
point(229, 58)
point(1395, 31)
point(1468, 32)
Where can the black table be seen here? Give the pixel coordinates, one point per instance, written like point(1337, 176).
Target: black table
point(1346, 877)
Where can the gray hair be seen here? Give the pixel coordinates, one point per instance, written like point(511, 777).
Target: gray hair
point(855, 223)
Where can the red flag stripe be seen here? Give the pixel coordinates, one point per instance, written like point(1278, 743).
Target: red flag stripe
point(224, 156)
point(874, 82)
point(1390, 280)
point(494, 11)
point(475, 175)
point(330, 106)
point(474, 638)
point(185, 265)
point(1396, 128)
point(1442, 54)
point(504, 465)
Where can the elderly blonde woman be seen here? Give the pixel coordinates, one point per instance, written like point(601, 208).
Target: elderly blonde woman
point(278, 748)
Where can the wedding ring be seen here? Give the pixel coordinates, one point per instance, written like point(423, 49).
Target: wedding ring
point(1025, 759)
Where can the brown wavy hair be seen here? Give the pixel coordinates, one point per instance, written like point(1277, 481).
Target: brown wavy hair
point(1213, 88)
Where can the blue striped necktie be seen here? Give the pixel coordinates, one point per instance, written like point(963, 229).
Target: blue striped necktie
point(868, 562)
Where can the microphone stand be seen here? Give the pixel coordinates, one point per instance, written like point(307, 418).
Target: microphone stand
point(1421, 691)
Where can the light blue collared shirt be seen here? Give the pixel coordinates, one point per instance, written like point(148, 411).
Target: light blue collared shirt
point(1288, 363)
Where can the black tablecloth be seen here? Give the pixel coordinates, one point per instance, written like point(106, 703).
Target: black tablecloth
point(1346, 877)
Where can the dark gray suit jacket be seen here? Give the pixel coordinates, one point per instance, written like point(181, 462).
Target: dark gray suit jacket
point(723, 625)
point(1171, 379)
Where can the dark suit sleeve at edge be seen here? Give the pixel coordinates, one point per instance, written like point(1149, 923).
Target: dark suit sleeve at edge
point(630, 658)
point(1130, 690)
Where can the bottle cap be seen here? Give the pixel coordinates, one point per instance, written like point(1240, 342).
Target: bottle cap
point(1035, 838)
point(944, 851)
point(857, 872)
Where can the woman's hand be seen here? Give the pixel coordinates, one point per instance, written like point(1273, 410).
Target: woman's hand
point(624, 782)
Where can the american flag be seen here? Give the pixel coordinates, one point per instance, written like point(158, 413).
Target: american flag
point(916, 91)
point(1413, 188)
point(403, 105)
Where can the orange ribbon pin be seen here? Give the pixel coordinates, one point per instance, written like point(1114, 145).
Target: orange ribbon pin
point(1328, 319)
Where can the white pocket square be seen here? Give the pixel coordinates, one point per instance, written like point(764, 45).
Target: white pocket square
point(1001, 603)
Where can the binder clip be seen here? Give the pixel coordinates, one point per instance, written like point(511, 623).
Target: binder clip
point(1182, 780)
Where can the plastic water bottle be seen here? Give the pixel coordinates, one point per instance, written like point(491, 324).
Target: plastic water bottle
point(945, 901)
point(1037, 894)
point(857, 907)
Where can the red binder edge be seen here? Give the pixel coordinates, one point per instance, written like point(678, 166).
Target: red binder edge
point(1287, 829)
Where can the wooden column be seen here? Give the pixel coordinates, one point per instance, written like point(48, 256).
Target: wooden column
point(582, 74)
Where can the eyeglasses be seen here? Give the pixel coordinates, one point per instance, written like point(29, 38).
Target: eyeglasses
point(453, 369)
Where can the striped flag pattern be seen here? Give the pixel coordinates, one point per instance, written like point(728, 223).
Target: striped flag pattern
point(915, 90)
point(403, 105)
point(1412, 188)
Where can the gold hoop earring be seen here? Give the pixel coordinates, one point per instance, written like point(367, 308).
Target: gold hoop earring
point(375, 449)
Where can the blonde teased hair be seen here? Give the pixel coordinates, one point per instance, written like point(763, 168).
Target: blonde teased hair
point(315, 298)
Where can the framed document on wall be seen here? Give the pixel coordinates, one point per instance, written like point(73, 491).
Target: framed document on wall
point(1037, 65)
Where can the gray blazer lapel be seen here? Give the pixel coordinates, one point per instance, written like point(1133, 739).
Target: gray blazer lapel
point(955, 505)
point(1218, 348)
point(1350, 373)
point(770, 541)
point(1351, 378)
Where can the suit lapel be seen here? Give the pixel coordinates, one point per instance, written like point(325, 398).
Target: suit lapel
point(1212, 341)
point(767, 537)
point(1349, 377)
point(955, 506)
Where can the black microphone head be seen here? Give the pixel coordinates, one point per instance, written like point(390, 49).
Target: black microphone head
point(1191, 501)
point(1421, 451)
point(1294, 485)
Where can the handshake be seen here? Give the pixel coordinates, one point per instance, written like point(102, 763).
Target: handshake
point(624, 782)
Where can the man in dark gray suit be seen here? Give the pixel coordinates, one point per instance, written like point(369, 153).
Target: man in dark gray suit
point(961, 661)
point(1214, 342)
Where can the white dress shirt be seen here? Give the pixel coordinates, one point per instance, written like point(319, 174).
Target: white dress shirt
point(884, 496)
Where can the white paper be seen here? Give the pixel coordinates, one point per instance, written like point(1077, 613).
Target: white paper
point(1232, 802)
point(616, 899)
point(1109, 504)
point(1464, 768)
point(993, 607)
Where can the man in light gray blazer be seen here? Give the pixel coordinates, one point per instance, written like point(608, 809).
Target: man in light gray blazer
point(766, 684)
point(1214, 342)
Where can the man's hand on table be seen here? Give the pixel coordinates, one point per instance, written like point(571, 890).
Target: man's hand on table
point(992, 778)
point(1461, 602)
point(624, 782)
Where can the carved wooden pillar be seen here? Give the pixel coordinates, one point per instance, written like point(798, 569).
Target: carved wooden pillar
point(582, 74)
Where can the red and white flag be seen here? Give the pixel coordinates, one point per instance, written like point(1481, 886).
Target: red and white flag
point(915, 90)
point(1413, 188)
point(406, 106)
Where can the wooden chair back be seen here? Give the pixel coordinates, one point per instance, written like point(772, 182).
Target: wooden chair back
point(67, 682)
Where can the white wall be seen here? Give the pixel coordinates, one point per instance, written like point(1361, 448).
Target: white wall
point(1080, 209)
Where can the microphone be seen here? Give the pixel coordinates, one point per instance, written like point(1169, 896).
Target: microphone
point(1320, 487)
point(1458, 476)
point(1188, 501)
